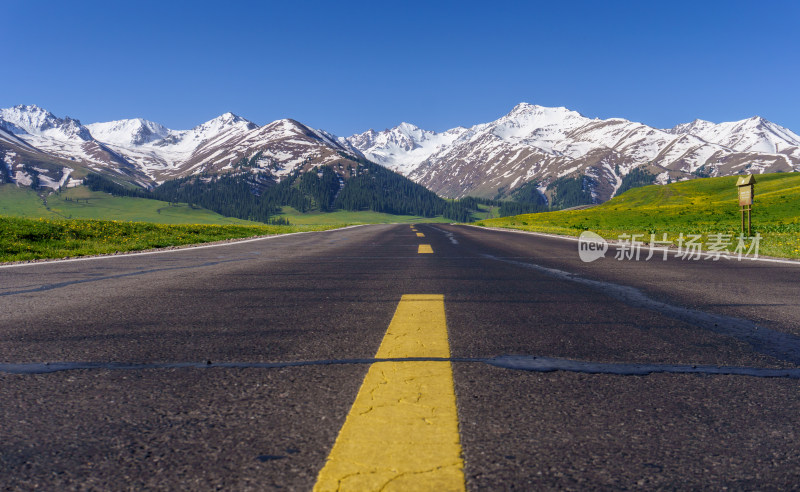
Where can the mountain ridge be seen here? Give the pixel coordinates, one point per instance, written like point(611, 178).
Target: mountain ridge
point(537, 143)
point(531, 144)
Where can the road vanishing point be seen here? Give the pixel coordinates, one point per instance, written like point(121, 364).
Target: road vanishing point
point(397, 357)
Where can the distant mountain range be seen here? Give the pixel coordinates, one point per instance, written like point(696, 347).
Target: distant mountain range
point(531, 144)
point(535, 143)
point(147, 153)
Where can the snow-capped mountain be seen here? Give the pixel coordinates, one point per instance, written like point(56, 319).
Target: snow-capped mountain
point(279, 147)
point(37, 122)
point(535, 143)
point(159, 151)
point(147, 153)
point(531, 143)
point(126, 133)
point(751, 135)
point(56, 140)
point(403, 147)
point(217, 145)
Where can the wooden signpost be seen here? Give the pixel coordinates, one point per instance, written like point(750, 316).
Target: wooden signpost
point(745, 185)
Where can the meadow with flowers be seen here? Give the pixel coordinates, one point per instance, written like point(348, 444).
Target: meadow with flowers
point(707, 207)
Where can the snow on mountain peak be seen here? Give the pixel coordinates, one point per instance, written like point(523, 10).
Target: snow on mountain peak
point(230, 118)
point(286, 127)
point(692, 127)
point(529, 121)
point(136, 131)
point(524, 108)
point(757, 120)
point(403, 147)
point(754, 134)
point(224, 122)
point(409, 136)
point(407, 127)
point(188, 140)
point(33, 120)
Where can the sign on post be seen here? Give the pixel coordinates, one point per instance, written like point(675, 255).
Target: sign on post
point(746, 193)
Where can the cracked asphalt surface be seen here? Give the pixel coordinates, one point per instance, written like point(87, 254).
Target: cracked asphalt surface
point(330, 296)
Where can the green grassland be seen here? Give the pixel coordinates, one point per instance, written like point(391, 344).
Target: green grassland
point(31, 239)
point(700, 206)
point(80, 222)
point(347, 217)
point(68, 226)
point(81, 203)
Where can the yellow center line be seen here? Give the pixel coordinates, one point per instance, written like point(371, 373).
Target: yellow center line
point(424, 248)
point(402, 431)
point(419, 234)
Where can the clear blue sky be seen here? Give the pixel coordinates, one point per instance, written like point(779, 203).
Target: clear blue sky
point(349, 66)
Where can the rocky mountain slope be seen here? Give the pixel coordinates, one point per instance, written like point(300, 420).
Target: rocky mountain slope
point(145, 153)
point(540, 144)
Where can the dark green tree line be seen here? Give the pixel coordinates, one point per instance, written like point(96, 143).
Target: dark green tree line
point(636, 178)
point(571, 192)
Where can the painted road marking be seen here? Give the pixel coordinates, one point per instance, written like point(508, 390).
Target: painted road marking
point(424, 248)
point(419, 234)
point(402, 431)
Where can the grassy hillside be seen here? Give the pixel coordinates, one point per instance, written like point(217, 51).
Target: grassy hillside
point(701, 206)
point(81, 203)
point(486, 212)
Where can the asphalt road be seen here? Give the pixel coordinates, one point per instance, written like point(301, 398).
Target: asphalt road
point(124, 414)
